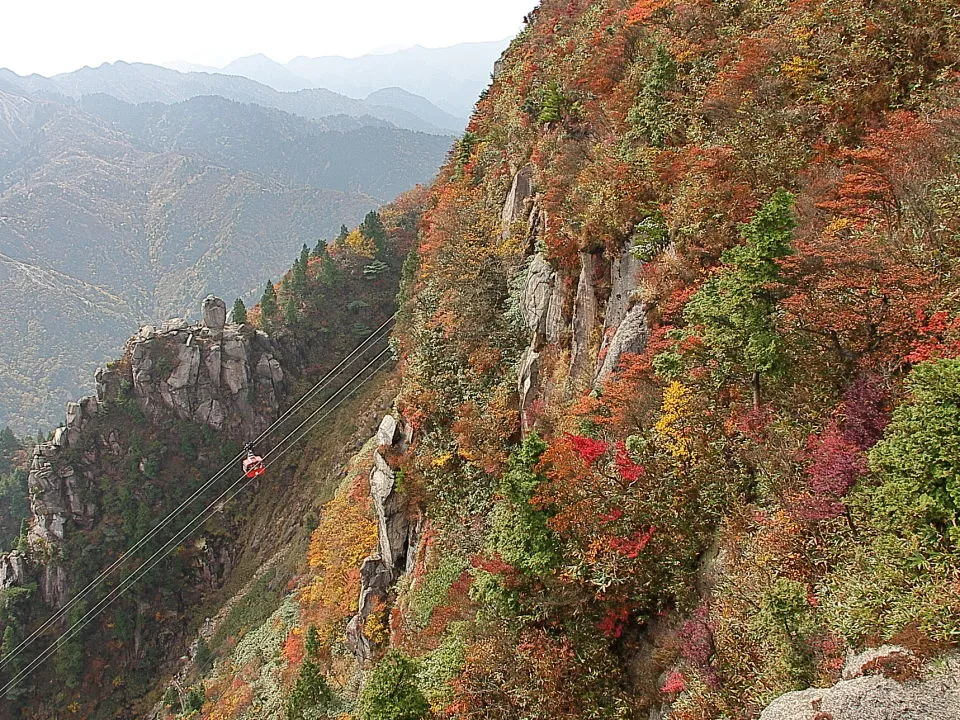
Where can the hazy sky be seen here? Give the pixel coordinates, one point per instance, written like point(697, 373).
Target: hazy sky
point(51, 36)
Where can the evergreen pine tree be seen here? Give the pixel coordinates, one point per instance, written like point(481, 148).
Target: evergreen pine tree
point(290, 311)
point(734, 310)
point(298, 274)
point(328, 268)
point(391, 692)
point(372, 228)
point(10, 641)
point(239, 312)
point(8, 441)
point(268, 303)
point(344, 231)
point(553, 105)
point(312, 643)
point(312, 692)
point(11, 638)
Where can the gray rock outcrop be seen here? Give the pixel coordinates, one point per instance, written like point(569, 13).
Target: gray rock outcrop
point(630, 336)
point(876, 697)
point(12, 571)
point(214, 314)
point(541, 307)
point(516, 207)
point(625, 320)
point(227, 377)
point(584, 317)
point(398, 536)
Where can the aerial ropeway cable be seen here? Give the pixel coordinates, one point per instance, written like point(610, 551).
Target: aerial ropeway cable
point(212, 508)
point(345, 363)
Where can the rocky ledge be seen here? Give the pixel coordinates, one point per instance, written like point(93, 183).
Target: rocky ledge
point(225, 376)
point(886, 683)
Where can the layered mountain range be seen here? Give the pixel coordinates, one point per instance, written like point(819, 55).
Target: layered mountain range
point(116, 211)
point(450, 77)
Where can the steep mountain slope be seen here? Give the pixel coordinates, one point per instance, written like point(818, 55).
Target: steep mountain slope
point(105, 225)
point(679, 388)
point(336, 152)
point(137, 83)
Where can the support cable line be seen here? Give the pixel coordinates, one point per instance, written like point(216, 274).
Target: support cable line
point(345, 363)
point(211, 509)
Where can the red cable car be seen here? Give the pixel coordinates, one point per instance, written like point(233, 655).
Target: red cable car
point(253, 464)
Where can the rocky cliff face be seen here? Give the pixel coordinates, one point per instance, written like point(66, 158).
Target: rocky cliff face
point(227, 377)
point(595, 322)
point(398, 535)
point(224, 377)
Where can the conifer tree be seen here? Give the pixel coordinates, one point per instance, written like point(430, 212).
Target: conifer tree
point(11, 638)
point(298, 274)
point(328, 268)
point(312, 691)
point(268, 302)
point(734, 311)
point(8, 441)
point(373, 229)
point(290, 310)
point(239, 312)
point(392, 692)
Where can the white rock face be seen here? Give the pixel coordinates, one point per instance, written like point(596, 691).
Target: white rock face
point(584, 316)
point(387, 432)
point(11, 570)
point(625, 320)
point(397, 536)
point(515, 207)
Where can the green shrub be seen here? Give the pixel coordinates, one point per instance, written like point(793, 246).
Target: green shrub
point(392, 692)
point(432, 589)
point(900, 574)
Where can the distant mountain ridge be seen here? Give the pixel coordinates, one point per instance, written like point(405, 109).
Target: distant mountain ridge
point(451, 78)
point(137, 83)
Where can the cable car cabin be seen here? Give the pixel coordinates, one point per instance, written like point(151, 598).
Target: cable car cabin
point(253, 465)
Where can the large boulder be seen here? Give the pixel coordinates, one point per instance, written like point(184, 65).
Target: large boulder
point(214, 314)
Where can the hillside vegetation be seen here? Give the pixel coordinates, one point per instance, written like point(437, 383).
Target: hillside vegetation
point(675, 429)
